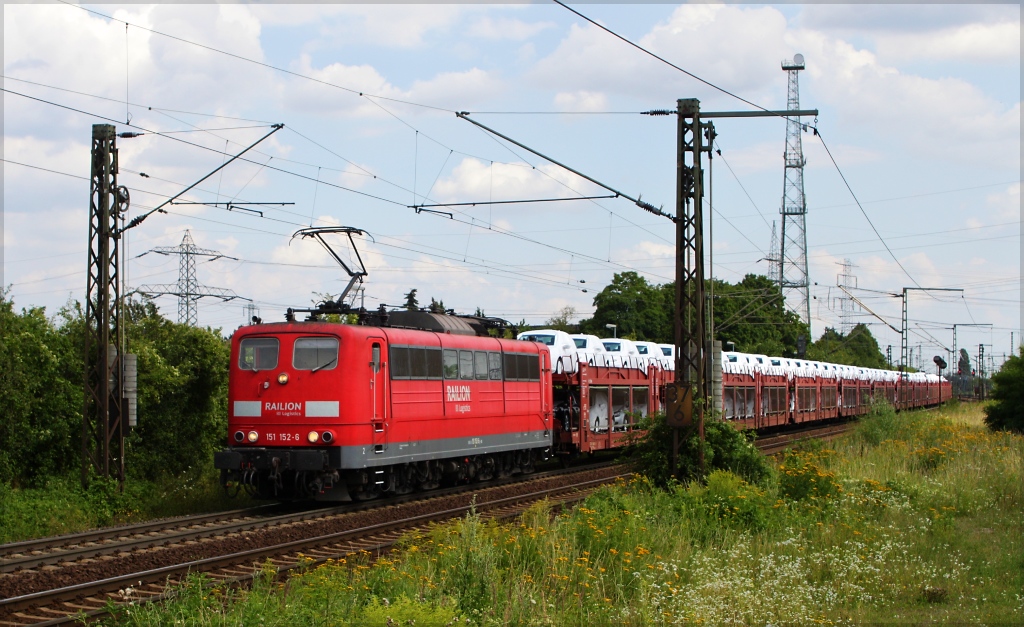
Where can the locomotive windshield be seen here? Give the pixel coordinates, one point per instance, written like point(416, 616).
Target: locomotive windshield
point(315, 353)
point(258, 353)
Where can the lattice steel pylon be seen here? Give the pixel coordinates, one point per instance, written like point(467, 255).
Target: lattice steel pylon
point(846, 304)
point(188, 289)
point(774, 267)
point(793, 275)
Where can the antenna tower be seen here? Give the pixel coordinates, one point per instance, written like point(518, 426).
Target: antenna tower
point(847, 280)
point(793, 276)
point(188, 289)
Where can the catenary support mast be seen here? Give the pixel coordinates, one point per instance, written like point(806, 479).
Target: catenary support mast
point(103, 421)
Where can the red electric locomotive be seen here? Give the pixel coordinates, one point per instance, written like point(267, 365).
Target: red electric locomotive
point(339, 412)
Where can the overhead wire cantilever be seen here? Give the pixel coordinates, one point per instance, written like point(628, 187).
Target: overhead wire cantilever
point(317, 232)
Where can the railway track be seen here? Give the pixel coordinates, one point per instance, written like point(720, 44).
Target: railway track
point(775, 444)
point(65, 593)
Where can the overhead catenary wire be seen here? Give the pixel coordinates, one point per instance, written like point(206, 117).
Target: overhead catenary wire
point(759, 107)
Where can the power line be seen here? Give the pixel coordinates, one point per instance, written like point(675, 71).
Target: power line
point(255, 62)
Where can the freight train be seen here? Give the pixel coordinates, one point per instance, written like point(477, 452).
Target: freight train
point(409, 400)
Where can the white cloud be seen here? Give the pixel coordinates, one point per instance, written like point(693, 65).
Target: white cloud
point(474, 180)
point(586, 101)
point(383, 25)
point(346, 84)
point(737, 48)
point(1005, 205)
point(506, 28)
point(972, 43)
point(925, 116)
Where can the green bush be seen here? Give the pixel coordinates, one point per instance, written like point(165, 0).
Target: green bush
point(725, 448)
point(879, 424)
point(41, 387)
point(731, 501)
point(1006, 412)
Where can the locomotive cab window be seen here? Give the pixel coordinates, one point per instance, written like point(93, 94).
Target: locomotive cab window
point(315, 353)
point(258, 353)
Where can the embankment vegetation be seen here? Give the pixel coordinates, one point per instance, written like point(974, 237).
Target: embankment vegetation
point(913, 518)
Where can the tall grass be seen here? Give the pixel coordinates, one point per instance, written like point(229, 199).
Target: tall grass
point(61, 506)
point(918, 521)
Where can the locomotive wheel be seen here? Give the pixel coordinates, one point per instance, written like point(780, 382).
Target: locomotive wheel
point(366, 493)
point(405, 479)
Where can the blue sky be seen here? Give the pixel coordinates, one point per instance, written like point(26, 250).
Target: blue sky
point(919, 104)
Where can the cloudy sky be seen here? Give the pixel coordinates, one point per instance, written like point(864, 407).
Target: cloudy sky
point(919, 105)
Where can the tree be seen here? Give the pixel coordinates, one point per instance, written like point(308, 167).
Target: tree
point(752, 314)
point(1006, 412)
point(410, 300)
point(562, 320)
point(182, 405)
point(635, 306)
point(964, 364)
point(41, 381)
point(436, 306)
point(859, 348)
point(183, 376)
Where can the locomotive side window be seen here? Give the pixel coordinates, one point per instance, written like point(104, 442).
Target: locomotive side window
point(434, 368)
point(258, 353)
point(511, 372)
point(451, 364)
point(481, 364)
point(465, 364)
point(522, 367)
point(533, 367)
point(494, 366)
point(400, 368)
point(417, 362)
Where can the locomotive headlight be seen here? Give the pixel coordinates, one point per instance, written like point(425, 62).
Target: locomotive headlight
point(282, 378)
point(313, 437)
point(253, 436)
